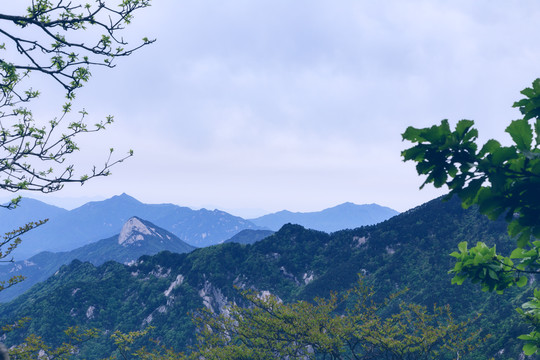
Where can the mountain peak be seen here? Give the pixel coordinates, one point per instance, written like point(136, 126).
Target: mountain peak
point(135, 230)
point(124, 197)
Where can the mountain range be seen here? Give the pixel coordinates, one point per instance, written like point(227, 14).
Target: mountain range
point(344, 216)
point(68, 230)
point(66, 226)
point(409, 251)
point(138, 237)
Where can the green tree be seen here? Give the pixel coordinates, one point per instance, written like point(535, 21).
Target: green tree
point(46, 40)
point(35, 348)
point(270, 329)
point(501, 181)
point(35, 154)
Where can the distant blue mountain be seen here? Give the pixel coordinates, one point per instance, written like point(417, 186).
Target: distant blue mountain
point(344, 216)
point(137, 237)
point(27, 211)
point(67, 230)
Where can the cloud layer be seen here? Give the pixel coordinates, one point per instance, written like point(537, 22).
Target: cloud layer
point(300, 105)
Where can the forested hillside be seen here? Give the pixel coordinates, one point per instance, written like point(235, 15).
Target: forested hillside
point(93, 221)
point(408, 251)
point(138, 237)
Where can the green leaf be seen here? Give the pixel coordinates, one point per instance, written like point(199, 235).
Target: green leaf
point(458, 279)
point(524, 238)
point(514, 228)
point(462, 246)
point(469, 193)
point(528, 92)
point(529, 349)
point(463, 126)
point(490, 146)
point(503, 154)
point(536, 86)
point(416, 153)
point(439, 177)
point(412, 134)
point(537, 130)
point(517, 254)
point(521, 133)
point(493, 275)
point(437, 134)
point(522, 281)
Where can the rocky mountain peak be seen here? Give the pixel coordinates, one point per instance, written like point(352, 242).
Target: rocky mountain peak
point(135, 230)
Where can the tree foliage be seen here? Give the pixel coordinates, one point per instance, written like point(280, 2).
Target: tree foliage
point(34, 155)
point(46, 40)
point(419, 237)
point(270, 329)
point(12, 239)
point(501, 181)
point(35, 348)
point(50, 40)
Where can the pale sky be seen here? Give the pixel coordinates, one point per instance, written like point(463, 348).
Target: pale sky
point(300, 105)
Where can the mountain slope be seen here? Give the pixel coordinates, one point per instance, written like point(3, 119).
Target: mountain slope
point(102, 219)
point(249, 236)
point(407, 251)
point(27, 211)
point(138, 237)
point(344, 216)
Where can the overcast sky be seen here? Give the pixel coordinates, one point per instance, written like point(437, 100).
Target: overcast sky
point(243, 105)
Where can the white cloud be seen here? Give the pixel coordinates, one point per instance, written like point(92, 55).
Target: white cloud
point(279, 104)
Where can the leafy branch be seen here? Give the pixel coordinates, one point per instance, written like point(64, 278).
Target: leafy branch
point(47, 40)
point(62, 56)
point(270, 329)
point(503, 181)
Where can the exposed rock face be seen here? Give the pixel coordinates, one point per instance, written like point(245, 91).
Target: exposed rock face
point(213, 298)
point(90, 312)
point(135, 230)
point(308, 277)
point(179, 280)
point(137, 237)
